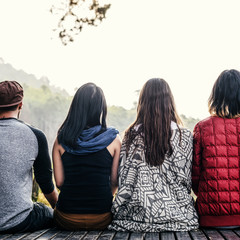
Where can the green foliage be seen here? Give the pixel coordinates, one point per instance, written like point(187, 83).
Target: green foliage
point(7, 72)
point(35, 190)
point(45, 109)
point(189, 122)
point(120, 118)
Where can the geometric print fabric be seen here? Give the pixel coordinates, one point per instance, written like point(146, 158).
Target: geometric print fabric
point(154, 199)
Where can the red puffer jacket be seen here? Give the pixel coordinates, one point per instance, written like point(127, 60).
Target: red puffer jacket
point(215, 176)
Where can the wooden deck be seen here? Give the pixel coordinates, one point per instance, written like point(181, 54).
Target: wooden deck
point(203, 234)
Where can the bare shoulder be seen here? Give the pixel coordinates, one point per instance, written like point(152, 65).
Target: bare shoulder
point(118, 140)
point(115, 145)
point(58, 147)
point(56, 144)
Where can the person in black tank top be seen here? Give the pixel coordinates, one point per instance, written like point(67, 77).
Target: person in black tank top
point(85, 159)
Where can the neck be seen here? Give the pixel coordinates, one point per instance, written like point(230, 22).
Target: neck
point(10, 114)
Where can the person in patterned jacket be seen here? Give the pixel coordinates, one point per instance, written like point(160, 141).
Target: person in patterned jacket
point(216, 164)
point(155, 168)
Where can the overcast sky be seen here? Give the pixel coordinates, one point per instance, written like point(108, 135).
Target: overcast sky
point(188, 43)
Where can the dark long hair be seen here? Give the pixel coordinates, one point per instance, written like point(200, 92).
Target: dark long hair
point(156, 109)
point(224, 100)
point(88, 109)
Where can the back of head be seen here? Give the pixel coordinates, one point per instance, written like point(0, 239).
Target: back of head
point(224, 100)
point(88, 109)
point(156, 109)
point(11, 94)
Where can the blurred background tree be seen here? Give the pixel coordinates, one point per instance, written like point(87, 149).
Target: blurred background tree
point(74, 14)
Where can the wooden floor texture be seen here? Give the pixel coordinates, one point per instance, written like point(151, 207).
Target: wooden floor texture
point(203, 234)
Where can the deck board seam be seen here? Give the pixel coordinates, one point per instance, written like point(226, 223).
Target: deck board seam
point(238, 234)
point(219, 231)
point(40, 234)
point(83, 236)
point(204, 232)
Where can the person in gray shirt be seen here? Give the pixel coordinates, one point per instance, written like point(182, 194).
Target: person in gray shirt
point(23, 149)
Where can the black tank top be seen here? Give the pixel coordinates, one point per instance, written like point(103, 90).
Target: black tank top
point(86, 188)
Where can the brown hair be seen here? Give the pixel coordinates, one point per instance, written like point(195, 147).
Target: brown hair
point(156, 109)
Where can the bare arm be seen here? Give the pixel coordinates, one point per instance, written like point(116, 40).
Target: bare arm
point(52, 197)
point(57, 163)
point(114, 149)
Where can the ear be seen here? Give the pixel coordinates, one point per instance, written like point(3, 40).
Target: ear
point(20, 106)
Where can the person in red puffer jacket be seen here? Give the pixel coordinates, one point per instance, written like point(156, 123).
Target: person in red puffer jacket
point(216, 164)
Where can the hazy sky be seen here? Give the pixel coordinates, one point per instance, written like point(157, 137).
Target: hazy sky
point(187, 42)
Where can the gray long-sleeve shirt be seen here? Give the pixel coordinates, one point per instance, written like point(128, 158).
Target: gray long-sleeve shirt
point(22, 148)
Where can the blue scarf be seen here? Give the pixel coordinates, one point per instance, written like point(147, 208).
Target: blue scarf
point(88, 142)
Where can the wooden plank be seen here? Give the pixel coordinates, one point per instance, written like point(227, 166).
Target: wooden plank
point(136, 236)
point(152, 236)
point(92, 235)
point(213, 234)
point(107, 235)
point(121, 236)
point(62, 235)
point(35, 235)
point(78, 235)
point(229, 234)
point(198, 235)
point(183, 236)
point(167, 236)
point(55, 234)
point(49, 234)
point(17, 236)
point(237, 231)
point(4, 236)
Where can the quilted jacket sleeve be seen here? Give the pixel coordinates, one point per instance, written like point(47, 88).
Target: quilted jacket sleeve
point(197, 158)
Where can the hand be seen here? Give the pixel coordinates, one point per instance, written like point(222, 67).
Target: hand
point(52, 198)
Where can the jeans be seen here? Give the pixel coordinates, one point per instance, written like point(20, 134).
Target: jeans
point(40, 217)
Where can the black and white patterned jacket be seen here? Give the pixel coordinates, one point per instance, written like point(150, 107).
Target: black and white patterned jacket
point(154, 199)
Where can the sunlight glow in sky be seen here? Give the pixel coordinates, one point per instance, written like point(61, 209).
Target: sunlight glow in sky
point(188, 43)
